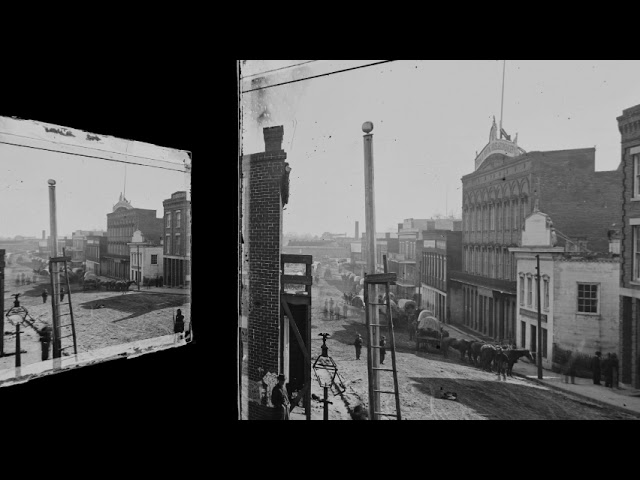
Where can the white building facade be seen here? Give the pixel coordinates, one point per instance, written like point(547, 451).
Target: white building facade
point(579, 304)
point(145, 259)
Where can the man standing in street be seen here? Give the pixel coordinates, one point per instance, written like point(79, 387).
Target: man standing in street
point(331, 308)
point(358, 345)
point(280, 399)
point(44, 296)
point(383, 350)
point(345, 310)
point(614, 371)
point(595, 368)
point(45, 341)
point(61, 294)
point(608, 372)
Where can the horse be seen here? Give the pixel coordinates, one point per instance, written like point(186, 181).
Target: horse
point(502, 361)
point(487, 354)
point(513, 355)
point(474, 351)
point(462, 346)
point(122, 285)
point(446, 343)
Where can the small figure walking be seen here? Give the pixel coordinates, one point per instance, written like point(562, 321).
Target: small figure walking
point(331, 309)
point(595, 368)
point(607, 368)
point(61, 294)
point(280, 400)
point(614, 371)
point(345, 310)
point(44, 295)
point(178, 325)
point(413, 324)
point(45, 341)
point(383, 350)
point(358, 345)
point(337, 311)
point(570, 369)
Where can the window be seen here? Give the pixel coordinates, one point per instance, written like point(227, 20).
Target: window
point(178, 219)
point(167, 246)
point(522, 291)
point(154, 259)
point(636, 252)
point(546, 293)
point(168, 223)
point(500, 256)
point(533, 339)
point(177, 246)
point(587, 297)
point(529, 290)
point(636, 175)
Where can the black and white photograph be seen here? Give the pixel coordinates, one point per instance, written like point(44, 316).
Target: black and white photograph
point(95, 237)
point(417, 240)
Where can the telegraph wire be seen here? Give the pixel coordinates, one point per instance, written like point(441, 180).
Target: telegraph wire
point(317, 76)
point(278, 69)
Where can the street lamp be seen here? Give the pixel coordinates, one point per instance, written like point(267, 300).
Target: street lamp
point(326, 372)
point(16, 315)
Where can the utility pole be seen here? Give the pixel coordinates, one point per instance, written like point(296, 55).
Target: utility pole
point(139, 268)
point(539, 342)
point(373, 360)
point(54, 269)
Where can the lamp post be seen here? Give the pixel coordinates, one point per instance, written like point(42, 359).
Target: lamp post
point(326, 372)
point(16, 316)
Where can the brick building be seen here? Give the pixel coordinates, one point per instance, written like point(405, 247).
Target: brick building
point(629, 127)
point(499, 194)
point(579, 295)
point(439, 252)
point(177, 241)
point(121, 223)
point(265, 332)
point(94, 251)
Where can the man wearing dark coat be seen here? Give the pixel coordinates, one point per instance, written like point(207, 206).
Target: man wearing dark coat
point(614, 371)
point(280, 400)
point(44, 296)
point(358, 345)
point(383, 351)
point(595, 368)
point(608, 371)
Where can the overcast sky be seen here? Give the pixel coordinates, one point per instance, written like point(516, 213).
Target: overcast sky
point(430, 118)
point(86, 190)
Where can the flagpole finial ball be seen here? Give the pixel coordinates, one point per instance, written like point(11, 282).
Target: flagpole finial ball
point(367, 127)
point(51, 182)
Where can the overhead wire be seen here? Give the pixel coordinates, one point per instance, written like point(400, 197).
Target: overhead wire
point(317, 76)
point(278, 69)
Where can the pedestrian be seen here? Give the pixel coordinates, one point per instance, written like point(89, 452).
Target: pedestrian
point(595, 368)
point(413, 324)
point(331, 306)
point(607, 368)
point(383, 350)
point(45, 341)
point(178, 325)
point(61, 294)
point(280, 400)
point(337, 311)
point(345, 310)
point(358, 345)
point(44, 295)
point(326, 305)
point(570, 369)
point(614, 371)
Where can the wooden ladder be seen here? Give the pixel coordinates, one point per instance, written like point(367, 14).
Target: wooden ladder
point(62, 328)
point(386, 279)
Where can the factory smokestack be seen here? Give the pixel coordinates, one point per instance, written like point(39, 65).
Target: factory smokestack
point(43, 235)
point(357, 230)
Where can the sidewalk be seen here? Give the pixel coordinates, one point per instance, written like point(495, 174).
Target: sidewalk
point(626, 398)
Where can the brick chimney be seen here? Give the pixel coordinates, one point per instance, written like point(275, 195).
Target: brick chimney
point(273, 138)
point(357, 229)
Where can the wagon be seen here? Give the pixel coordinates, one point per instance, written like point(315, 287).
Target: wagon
point(430, 331)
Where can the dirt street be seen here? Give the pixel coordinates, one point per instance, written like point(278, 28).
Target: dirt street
point(102, 318)
point(423, 377)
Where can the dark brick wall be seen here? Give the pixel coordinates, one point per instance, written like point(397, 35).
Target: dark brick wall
point(580, 201)
point(265, 240)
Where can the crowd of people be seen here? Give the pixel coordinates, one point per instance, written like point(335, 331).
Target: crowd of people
point(610, 367)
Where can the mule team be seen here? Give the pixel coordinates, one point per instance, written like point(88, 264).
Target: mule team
point(487, 356)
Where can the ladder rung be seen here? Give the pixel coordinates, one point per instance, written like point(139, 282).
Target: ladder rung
point(61, 314)
point(384, 369)
point(385, 391)
point(387, 414)
point(377, 346)
point(378, 325)
point(66, 336)
point(68, 346)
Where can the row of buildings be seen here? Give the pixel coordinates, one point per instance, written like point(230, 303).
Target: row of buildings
point(136, 245)
point(518, 208)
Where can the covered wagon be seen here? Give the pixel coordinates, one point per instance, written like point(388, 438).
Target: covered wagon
point(430, 331)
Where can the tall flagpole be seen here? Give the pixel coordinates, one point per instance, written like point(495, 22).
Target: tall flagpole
point(504, 66)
